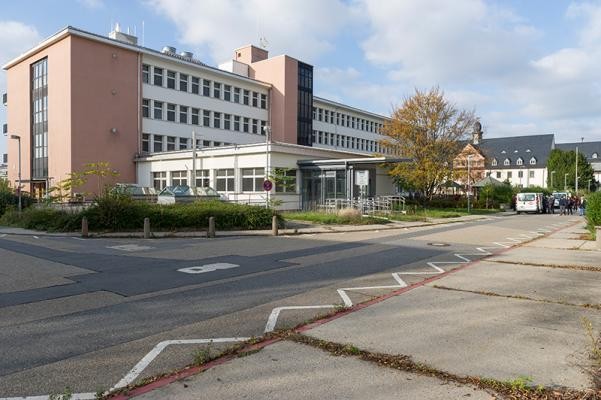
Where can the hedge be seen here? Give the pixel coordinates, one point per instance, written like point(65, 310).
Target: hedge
point(593, 210)
point(122, 214)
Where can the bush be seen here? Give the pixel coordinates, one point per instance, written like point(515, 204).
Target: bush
point(9, 199)
point(593, 210)
point(42, 218)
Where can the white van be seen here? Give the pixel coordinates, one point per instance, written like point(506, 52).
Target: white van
point(529, 202)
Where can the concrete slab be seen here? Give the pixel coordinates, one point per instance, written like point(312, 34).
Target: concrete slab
point(552, 284)
point(471, 334)
point(590, 245)
point(556, 243)
point(293, 371)
point(553, 257)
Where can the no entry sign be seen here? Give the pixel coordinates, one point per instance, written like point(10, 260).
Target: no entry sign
point(267, 185)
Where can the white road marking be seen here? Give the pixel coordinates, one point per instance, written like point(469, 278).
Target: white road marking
point(130, 247)
point(148, 358)
point(207, 268)
point(275, 313)
point(36, 237)
point(2, 235)
point(76, 238)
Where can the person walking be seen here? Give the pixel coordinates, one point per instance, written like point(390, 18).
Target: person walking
point(562, 205)
point(583, 206)
point(551, 204)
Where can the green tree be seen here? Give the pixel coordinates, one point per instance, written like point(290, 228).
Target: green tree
point(427, 129)
point(564, 162)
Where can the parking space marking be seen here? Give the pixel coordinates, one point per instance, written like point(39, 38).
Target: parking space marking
point(130, 247)
point(207, 268)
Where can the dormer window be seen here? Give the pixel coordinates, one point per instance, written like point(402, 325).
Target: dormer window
point(532, 161)
point(595, 155)
point(519, 161)
point(528, 150)
point(503, 152)
point(494, 162)
point(515, 151)
point(507, 161)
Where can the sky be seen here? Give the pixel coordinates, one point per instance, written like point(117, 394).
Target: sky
point(524, 67)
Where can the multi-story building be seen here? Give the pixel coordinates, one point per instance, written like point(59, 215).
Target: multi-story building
point(79, 97)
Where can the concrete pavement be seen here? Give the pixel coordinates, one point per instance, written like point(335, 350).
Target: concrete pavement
point(516, 317)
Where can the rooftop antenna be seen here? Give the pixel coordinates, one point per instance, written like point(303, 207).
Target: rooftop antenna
point(263, 42)
point(143, 44)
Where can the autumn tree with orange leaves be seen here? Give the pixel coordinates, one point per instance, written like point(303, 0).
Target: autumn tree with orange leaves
point(428, 130)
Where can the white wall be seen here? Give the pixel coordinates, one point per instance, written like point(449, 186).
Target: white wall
point(539, 179)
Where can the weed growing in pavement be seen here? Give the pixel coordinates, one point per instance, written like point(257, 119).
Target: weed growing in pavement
point(203, 355)
point(67, 394)
point(520, 383)
point(595, 342)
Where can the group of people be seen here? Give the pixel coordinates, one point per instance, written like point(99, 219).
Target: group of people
point(567, 205)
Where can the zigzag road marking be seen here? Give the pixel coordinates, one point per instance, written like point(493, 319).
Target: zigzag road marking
point(272, 320)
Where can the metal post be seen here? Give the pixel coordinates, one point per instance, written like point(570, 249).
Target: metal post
point(274, 225)
point(468, 183)
point(552, 173)
point(211, 232)
point(193, 179)
point(84, 227)
point(565, 182)
point(18, 139)
point(146, 228)
point(589, 185)
point(576, 177)
point(267, 143)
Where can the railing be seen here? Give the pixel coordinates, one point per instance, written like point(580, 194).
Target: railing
point(369, 205)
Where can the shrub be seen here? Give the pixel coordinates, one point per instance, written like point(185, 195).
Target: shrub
point(593, 210)
point(9, 199)
point(42, 218)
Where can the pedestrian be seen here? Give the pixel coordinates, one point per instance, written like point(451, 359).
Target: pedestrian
point(583, 206)
point(569, 204)
point(551, 204)
point(562, 205)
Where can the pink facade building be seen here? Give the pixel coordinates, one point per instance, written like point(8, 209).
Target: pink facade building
point(80, 98)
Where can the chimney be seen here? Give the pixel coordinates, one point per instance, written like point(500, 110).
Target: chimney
point(477, 133)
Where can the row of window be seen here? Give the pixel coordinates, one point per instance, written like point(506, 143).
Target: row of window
point(206, 118)
point(349, 142)
point(159, 143)
point(510, 174)
point(341, 119)
point(205, 87)
point(224, 179)
point(519, 161)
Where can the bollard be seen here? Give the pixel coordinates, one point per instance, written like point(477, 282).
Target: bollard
point(146, 228)
point(211, 232)
point(598, 234)
point(274, 225)
point(84, 227)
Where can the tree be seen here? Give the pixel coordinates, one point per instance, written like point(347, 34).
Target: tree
point(427, 129)
point(564, 162)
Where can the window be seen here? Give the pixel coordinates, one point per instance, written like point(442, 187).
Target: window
point(255, 126)
point(171, 143)
point(245, 98)
point(227, 93)
point(227, 118)
point(145, 108)
point(319, 114)
point(245, 125)
point(202, 178)
point(206, 87)
point(170, 79)
point(216, 120)
point(195, 116)
point(507, 161)
point(158, 76)
point(252, 179)
point(158, 109)
point(159, 180)
point(262, 130)
point(255, 99)
point(183, 114)
point(145, 73)
point(326, 116)
point(236, 95)
point(157, 143)
point(170, 112)
point(224, 180)
point(595, 155)
point(509, 175)
point(494, 162)
point(519, 161)
point(145, 142)
point(499, 174)
point(183, 143)
point(217, 90)
point(183, 82)
point(285, 180)
point(179, 178)
point(263, 101)
point(195, 85)
point(532, 161)
point(531, 174)
point(237, 123)
point(205, 143)
point(520, 174)
point(206, 118)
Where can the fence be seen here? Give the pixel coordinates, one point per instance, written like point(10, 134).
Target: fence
point(369, 206)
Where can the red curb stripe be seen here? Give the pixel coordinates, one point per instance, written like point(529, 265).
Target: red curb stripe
point(161, 382)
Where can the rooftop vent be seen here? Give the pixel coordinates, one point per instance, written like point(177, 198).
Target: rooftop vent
point(169, 49)
point(187, 54)
point(128, 38)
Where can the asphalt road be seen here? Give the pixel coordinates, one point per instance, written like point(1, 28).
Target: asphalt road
point(81, 313)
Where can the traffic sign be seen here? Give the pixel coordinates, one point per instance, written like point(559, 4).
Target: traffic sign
point(267, 185)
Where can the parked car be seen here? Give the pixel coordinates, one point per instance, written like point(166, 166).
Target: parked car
point(529, 202)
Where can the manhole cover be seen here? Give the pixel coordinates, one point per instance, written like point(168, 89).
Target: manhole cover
point(438, 244)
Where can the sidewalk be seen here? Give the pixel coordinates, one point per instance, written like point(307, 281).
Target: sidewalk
point(312, 229)
point(490, 328)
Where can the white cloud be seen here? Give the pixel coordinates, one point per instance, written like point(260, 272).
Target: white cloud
point(301, 29)
point(93, 4)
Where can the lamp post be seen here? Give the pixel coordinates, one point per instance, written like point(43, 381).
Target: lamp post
point(565, 182)
point(267, 130)
point(469, 189)
point(18, 139)
point(552, 173)
point(589, 185)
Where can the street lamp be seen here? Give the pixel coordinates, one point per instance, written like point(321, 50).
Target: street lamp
point(552, 173)
point(565, 182)
point(267, 130)
point(18, 139)
point(589, 185)
point(469, 191)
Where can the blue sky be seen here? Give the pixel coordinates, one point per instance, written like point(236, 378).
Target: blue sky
point(526, 67)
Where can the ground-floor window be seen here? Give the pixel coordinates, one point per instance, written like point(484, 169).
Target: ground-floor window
point(224, 180)
point(285, 180)
point(531, 174)
point(159, 180)
point(202, 178)
point(252, 179)
point(179, 178)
